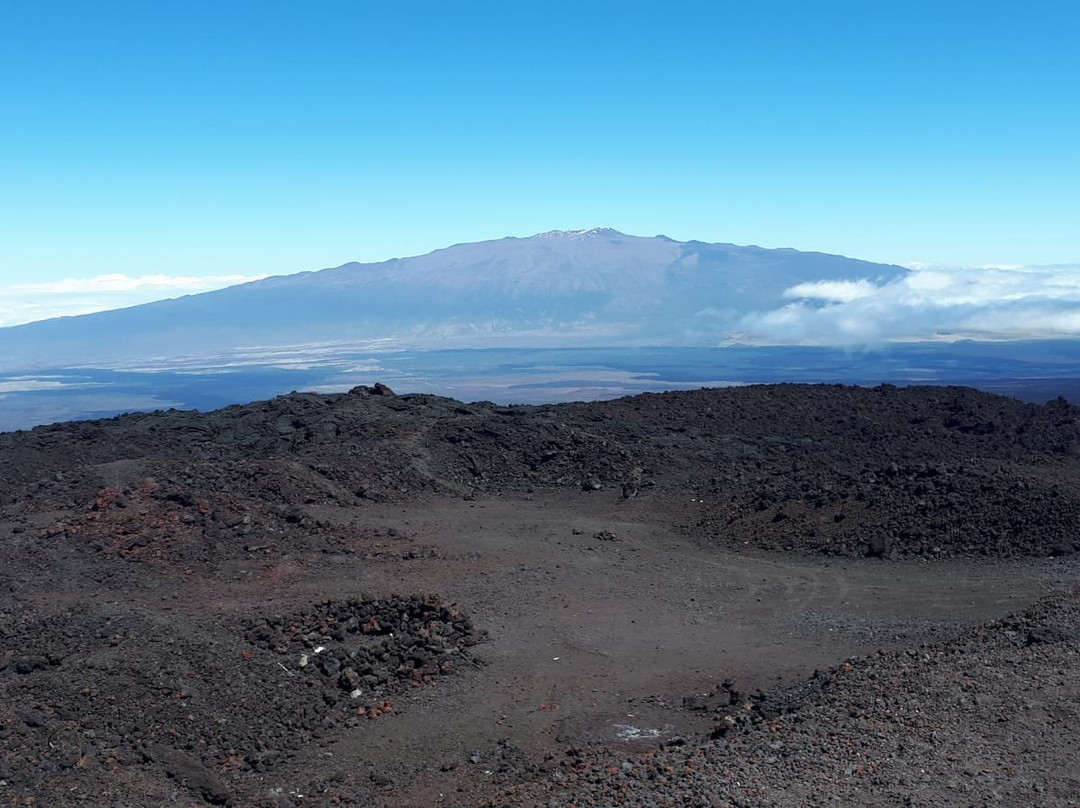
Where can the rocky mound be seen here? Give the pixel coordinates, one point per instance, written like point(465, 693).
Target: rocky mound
point(890, 472)
point(367, 649)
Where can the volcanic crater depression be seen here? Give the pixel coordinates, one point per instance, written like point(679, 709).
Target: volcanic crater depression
point(753, 596)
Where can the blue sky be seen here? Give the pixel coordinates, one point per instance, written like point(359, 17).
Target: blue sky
point(208, 142)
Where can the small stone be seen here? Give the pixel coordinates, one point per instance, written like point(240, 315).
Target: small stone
point(591, 484)
point(349, 680)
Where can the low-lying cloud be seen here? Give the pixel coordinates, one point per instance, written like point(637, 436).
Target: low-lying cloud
point(27, 302)
point(928, 303)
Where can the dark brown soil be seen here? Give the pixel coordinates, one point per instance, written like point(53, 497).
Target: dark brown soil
point(367, 599)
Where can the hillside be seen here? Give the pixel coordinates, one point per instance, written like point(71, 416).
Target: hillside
point(768, 595)
point(916, 471)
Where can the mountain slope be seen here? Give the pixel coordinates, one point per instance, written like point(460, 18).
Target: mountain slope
point(586, 287)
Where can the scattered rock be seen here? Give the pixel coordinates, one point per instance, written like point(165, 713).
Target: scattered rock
point(191, 774)
point(1044, 635)
point(879, 546)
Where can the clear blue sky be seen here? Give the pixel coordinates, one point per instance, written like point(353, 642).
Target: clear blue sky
point(243, 137)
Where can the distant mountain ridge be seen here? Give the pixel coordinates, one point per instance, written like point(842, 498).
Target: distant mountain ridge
point(594, 287)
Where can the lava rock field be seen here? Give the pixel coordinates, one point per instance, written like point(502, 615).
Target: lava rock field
point(208, 608)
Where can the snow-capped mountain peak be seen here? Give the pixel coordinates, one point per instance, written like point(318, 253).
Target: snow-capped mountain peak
point(580, 235)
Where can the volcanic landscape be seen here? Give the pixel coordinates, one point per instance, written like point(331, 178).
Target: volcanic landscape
point(778, 595)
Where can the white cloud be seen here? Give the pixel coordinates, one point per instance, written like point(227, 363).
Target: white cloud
point(25, 384)
point(126, 283)
point(832, 291)
point(27, 302)
point(929, 302)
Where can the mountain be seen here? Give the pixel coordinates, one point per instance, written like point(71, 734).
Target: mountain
point(595, 287)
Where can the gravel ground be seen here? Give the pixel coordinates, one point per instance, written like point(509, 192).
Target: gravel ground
point(988, 718)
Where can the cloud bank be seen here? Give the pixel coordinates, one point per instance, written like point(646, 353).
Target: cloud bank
point(26, 302)
point(928, 303)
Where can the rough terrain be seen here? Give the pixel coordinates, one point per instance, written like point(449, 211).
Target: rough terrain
point(774, 595)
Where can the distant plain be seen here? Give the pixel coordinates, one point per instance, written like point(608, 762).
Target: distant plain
point(1034, 371)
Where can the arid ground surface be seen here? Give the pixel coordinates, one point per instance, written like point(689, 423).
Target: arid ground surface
point(776, 595)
